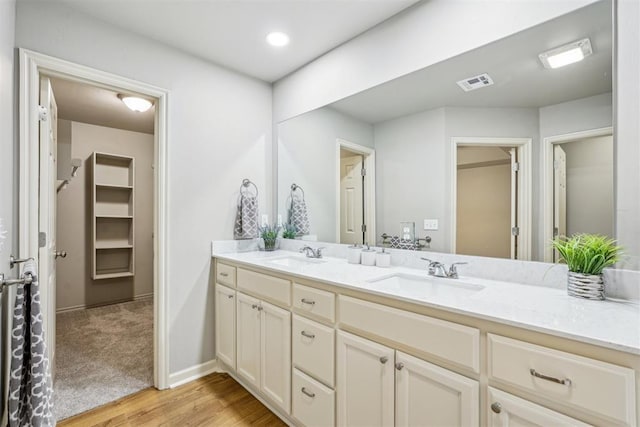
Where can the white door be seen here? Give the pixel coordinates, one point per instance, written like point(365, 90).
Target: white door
point(559, 193)
point(351, 200)
point(427, 395)
point(276, 355)
point(365, 382)
point(506, 410)
point(513, 153)
point(226, 325)
point(248, 338)
point(47, 216)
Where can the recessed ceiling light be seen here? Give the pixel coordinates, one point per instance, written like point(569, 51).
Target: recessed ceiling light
point(277, 39)
point(567, 54)
point(135, 103)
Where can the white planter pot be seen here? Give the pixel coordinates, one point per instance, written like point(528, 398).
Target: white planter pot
point(585, 285)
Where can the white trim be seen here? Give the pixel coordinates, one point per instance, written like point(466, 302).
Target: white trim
point(547, 180)
point(369, 155)
point(524, 186)
point(31, 65)
point(185, 376)
point(141, 297)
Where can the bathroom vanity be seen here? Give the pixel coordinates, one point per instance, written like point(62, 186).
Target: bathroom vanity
point(324, 342)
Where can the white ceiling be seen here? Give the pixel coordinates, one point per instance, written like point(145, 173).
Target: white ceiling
point(232, 32)
point(519, 78)
point(84, 103)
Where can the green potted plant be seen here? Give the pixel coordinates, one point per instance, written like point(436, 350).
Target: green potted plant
point(269, 235)
point(289, 231)
point(586, 256)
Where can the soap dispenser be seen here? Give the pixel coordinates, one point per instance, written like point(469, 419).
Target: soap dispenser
point(383, 259)
point(368, 256)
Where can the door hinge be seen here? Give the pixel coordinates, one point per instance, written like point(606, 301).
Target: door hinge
point(43, 113)
point(556, 231)
point(555, 164)
point(515, 167)
point(363, 172)
point(364, 228)
point(515, 231)
point(42, 239)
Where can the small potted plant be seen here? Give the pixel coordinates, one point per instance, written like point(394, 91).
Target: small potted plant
point(586, 256)
point(289, 231)
point(269, 235)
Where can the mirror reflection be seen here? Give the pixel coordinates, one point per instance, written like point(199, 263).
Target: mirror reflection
point(491, 153)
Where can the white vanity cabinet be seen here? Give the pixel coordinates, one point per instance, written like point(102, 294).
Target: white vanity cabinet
point(248, 339)
point(226, 325)
point(375, 382)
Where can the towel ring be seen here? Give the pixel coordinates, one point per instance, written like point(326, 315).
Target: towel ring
point(295, 187)
point(246, 183)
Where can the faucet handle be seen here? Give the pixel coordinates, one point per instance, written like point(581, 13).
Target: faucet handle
point(319, 251)
point(426, 259)
point(453, 271)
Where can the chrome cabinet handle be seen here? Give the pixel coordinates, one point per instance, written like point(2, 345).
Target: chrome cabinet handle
point(260, 308)
point(307, 301)
point(307, 392)
point(229, 296)
point(224, 274)
point(496, 407)
point(399, 366)
point(384, 359)
point(565, 381)
point(254, 306)
point(307, 334)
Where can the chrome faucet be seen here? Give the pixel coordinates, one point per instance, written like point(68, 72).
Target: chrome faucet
point(438, 269)
point(312, 253)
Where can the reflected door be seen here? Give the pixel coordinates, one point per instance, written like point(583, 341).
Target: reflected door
point(351, 200)
point(559, 193)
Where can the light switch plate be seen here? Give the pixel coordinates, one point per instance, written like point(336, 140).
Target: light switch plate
point(265, 220)
point(430, 224)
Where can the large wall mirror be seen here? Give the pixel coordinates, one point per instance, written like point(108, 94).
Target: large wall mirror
point(489, 153)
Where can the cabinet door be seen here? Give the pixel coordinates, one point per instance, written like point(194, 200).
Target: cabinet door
point(364, 382)
point(428, 395)
point(506, 410)
point(226, 325)
point(276, 355)
point(248, 338)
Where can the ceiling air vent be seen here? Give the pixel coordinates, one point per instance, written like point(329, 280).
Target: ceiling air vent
point(475, 82)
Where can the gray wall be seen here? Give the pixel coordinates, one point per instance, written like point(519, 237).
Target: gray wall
point(307, 156)
point(75, 288)
point(219, 133)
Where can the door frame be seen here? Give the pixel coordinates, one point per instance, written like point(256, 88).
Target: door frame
point(32, 65)
point(369, 192)
point(547, 180)
point(524, 185)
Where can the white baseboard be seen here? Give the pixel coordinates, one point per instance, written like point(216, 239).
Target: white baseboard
point(193, 373)
point(85, 306)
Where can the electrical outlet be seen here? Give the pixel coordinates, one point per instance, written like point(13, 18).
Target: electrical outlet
point(265, 220)
point(430, 224)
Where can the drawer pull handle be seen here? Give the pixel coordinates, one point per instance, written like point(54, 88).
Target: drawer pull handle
point(496, 407)
point(224, 274)
point(399, 366)
point(565, 381)
point(307, 334)
point(308, 301)
point(308, 393)
point(384, 359)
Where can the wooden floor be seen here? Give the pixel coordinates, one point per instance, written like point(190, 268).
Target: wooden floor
point(215, 400)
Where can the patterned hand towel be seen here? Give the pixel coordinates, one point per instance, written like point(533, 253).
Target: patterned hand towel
point(298, 216)
point(30, 386)
point(246, 225)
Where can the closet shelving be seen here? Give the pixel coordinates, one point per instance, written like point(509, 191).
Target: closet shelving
point(113, 196)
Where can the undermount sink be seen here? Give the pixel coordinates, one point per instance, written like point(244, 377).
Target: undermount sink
point(410, 286)
point(295, 261)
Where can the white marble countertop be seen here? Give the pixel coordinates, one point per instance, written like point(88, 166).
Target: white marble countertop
point(611, 323)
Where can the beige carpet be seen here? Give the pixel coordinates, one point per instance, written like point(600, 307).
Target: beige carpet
point(102, 354)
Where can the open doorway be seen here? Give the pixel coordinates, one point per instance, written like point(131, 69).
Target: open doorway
point(491, 197)
point(102, 155)
point(355, 205)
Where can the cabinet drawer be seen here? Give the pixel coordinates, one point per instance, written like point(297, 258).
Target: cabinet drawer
point(596, 387)
point(313, 349)
point(449, 341)
point(315, 302)
point(269, 287)
point(225, 274)
point(313, 403)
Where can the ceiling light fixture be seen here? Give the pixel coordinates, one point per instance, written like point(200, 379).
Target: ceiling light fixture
point(135, 103)
point(277, 39)
point(567, 54)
